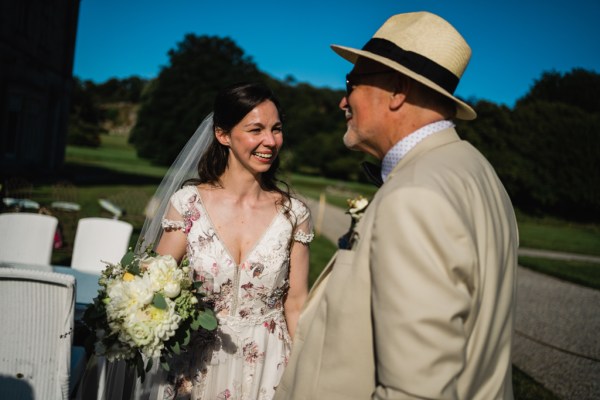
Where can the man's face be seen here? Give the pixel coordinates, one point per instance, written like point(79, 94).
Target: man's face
point(365, 100)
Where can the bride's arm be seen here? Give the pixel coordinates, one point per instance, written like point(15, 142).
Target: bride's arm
point(173, 240)
point(299, 264)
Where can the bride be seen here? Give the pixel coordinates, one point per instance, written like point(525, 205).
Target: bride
point(247, 241)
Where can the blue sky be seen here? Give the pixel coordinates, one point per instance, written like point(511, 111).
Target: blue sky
point(513, 42)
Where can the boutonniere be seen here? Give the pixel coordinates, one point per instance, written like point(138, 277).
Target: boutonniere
point(356, 209)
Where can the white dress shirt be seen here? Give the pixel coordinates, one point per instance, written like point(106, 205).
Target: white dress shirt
point(400, 149)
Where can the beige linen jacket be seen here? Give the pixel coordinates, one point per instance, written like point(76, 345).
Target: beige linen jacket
point(423, 305)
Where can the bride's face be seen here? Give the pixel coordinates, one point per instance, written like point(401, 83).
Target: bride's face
point(255, 141)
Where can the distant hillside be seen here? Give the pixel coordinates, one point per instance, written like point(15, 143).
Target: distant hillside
point(119, 118)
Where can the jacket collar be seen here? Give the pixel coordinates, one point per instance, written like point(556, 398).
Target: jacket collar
point(441, 138)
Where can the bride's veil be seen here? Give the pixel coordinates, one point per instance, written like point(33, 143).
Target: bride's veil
point(120, 382)
point(183, 168)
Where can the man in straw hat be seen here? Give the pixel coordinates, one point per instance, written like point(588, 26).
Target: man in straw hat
point(422, 304)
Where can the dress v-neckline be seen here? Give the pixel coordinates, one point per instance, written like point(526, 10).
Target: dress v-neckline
point(218, 236)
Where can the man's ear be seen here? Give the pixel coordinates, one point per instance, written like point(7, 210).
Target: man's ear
point(401, 89)
point(222, 136)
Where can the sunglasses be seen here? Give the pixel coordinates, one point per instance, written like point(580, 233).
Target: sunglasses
point(352, 79)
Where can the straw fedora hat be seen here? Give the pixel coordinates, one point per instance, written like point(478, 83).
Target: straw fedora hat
point(422, 46)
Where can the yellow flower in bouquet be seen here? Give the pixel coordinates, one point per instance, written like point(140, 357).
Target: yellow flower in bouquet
point(147, 308)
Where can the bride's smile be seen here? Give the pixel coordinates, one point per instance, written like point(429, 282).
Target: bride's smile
point(255, 141)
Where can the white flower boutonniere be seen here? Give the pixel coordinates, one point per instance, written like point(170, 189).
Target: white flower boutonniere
point(356, 209)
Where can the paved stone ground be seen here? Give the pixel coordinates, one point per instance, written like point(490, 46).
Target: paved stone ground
point(557, 338)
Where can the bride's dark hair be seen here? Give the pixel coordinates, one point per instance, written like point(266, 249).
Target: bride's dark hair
point(231, 105)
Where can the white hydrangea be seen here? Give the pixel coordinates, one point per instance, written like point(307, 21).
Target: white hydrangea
point(150, 327)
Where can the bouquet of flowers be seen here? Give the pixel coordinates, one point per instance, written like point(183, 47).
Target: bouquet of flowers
point(356, 208)
point(147, 307)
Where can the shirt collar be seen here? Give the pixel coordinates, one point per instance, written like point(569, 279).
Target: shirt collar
point(400, 149)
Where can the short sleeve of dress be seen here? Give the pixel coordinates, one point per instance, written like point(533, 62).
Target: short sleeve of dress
point(174, 217)
point(304, 229)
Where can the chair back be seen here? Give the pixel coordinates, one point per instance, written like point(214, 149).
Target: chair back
point(98, 240)
point(27, 237)
point(37, 332)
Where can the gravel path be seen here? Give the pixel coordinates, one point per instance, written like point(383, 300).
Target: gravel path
point(557, 335)
point(557, 338)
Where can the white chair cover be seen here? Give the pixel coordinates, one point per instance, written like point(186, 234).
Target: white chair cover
point(97, 240)
point(36, 334)
point(27, 237)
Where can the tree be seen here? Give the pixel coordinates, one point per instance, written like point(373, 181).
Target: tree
point(313, 130)
point(557, 125)
point(493, 133)
point(545, 149)
point(560, 144)
point(184, 91)
point(577, 88)
point(84, 116)
point(120, 90)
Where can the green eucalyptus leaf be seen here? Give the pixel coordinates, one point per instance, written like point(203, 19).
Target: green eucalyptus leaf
point(139, 362)
point(134, 268)
point(127, 258)
point(176, 349)
point(197, 284)
point(159, 301)
point(207, 320)
point(165, 366)
point(186, 340)
point(149, 364)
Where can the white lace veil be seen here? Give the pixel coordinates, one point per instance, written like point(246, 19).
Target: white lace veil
point(183, 168)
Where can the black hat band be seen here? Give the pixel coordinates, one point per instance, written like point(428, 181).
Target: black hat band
point(415, 62)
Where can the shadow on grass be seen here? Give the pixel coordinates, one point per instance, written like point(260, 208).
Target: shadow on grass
point(87, 175)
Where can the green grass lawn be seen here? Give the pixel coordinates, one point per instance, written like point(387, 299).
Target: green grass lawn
point(321, 250)
point(582, 273)
point(114, 154)
point(336, 192)
point(553, 234)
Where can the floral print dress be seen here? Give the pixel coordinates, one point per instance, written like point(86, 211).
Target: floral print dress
point(245, 357)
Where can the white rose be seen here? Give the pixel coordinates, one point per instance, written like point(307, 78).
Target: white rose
point(172, 289)
point(140, 333)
